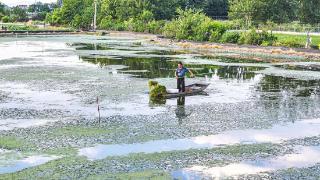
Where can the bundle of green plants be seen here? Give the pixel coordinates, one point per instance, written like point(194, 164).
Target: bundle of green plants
point(157, 91)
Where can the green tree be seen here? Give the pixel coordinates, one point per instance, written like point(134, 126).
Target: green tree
point(2, 10)
point(54, 18)
point(18, 14)
point(309, 11)
point(165, 9)
point(279, 11)
point(243, 10)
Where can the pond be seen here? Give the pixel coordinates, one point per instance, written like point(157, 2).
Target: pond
point(254, 116)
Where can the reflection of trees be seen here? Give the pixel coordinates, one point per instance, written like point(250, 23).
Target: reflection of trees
point(288, 98)
point(161, 67)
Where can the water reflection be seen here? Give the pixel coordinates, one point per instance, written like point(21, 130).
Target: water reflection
point(276, 134)
point(304, 157)
point(163, 67)
point(181, 111)
point(25, 163)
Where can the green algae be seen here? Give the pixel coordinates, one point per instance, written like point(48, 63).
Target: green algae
point(11, 142)
point(82, 131)
point(144, 175)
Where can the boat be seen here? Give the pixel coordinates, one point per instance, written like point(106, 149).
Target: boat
point(190, 90)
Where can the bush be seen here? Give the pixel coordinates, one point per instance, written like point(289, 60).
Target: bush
point(194, 25)
point(253, 37)
point(106, 23)
point(295, 43)
point(21, 28)
point(155, 27)
point(5, 19)
point(230, 37)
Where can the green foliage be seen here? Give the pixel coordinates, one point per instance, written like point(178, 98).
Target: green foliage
point(194, 25)
point(21, 28)
point(253, 37)
point(5, 19)
point(242, 10)
point(152, 84)
point(157, 92)
point(309, 11)
point(230, 37)
point(54, 18)
point(18, 15)
point(298, 41)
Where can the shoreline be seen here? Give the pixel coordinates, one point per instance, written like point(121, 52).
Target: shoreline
point(247, 51)
point(258, 53)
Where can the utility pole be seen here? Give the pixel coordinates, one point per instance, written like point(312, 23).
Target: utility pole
point(95, 16)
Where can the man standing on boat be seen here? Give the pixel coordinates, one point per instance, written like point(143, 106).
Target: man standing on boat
point(180, 74)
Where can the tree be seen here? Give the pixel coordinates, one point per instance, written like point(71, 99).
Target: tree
point(216, 8)
point(279, 11)
point(2, 10)
point(243, 10)
point(165, 9)
point(18, 14)
point(309, 11)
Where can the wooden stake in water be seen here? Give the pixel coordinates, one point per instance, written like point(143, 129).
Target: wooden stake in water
point(98, 109)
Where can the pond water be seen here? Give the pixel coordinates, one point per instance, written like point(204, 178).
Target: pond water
point(50, 85)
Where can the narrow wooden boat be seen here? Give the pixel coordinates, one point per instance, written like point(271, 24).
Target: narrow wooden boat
point(191, 90)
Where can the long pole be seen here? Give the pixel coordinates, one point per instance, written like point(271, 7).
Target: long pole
point(95, 16)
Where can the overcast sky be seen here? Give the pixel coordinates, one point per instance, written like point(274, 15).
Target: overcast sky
point(24, 2)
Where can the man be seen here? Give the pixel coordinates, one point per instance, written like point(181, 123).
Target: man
point(180, 74)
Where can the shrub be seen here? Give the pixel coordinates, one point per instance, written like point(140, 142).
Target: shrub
point(106, 23)
point(295, 43)
point(194, 25)
point(155, 27)
point(257, 38)
point(5, 19)
point(230, 37)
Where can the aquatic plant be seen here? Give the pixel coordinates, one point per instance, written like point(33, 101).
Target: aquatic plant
point(157, 92)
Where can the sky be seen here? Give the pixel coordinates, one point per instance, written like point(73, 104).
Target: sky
point(24, 2)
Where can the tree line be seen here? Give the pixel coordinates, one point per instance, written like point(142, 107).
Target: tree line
point(79, 13)
point(37, 11)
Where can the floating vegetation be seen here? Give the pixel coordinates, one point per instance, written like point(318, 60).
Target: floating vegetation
point(157, 92)
point(49, 88)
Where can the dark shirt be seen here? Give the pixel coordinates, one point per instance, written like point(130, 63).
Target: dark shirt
point(181, 72)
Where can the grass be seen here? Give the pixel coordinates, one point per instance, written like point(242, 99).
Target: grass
point(287, 39)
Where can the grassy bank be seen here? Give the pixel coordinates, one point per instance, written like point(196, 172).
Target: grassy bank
point(292, 40)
